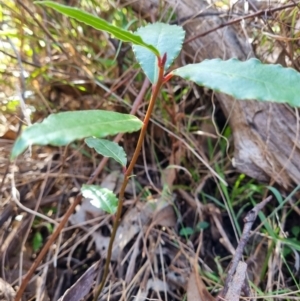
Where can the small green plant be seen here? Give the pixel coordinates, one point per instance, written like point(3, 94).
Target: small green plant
point(155, 47)
point(37, 241)
point(188, 231)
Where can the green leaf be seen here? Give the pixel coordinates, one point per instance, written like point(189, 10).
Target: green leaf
point(186, 231)
point(107, 148)
point(98, 23)
point(101, 198)
point(202, 226)
point(166, 38)
point(37, 241)
point(295, 230)
point(63, 128)
point(246, 80)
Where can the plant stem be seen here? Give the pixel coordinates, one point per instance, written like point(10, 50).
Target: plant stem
point(155, 91)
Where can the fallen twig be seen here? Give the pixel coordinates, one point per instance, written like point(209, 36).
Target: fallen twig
point(249, 220)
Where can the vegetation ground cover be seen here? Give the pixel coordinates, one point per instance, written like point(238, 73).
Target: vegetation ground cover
point(70, 67)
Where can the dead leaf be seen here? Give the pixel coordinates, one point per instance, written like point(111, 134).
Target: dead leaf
point(168, 177)
point(82, 286)
point(196, 289)
point(165, 217)
point(170, 173)
point(164, 214)
point(132, 223)
point(130, 226)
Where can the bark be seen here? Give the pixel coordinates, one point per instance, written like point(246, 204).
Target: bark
point(266, 140)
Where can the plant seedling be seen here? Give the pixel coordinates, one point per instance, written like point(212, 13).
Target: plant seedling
point(155, 47)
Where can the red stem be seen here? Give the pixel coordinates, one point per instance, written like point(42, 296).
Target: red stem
point(155, 91)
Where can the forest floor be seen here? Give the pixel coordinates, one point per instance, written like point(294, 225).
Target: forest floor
point(179, 222)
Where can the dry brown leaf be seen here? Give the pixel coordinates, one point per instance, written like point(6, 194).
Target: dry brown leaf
point(130, 226)
point(82, 286)
point(164, 214)
point(133, 222)
point(168, 177)
point(196, 289)
point(9, 134)
point(165, 217)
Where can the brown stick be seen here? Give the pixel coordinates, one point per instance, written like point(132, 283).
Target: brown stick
point(249, 220)
point(46, 248)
